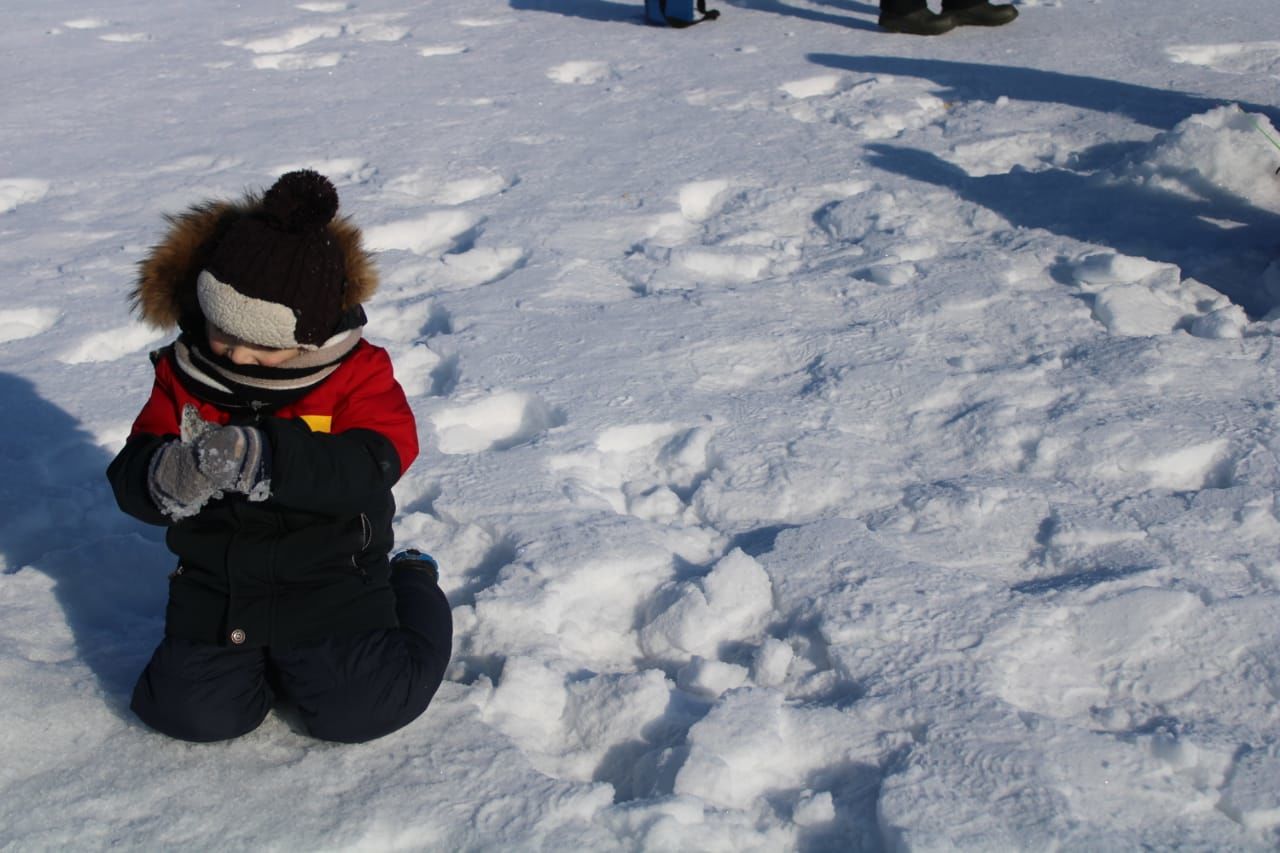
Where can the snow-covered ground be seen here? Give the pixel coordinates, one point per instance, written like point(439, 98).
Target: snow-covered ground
point(833, 440)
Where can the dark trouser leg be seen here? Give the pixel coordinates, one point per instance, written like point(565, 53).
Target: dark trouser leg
point(202, 693)
point(895, 8)
point(354, 689)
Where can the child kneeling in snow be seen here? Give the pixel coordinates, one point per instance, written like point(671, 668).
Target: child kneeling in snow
point(268, 447)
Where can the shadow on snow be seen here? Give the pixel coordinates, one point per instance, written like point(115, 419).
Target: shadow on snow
point(58, 517)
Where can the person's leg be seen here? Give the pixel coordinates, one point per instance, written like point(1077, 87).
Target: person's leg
point(355, 689)
point(197, 692)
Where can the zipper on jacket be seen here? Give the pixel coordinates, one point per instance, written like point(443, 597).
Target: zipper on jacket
point(367, 530)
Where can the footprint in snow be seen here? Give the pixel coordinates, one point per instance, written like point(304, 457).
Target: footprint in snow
point(422, 187)
point(125, 38)
point(200, 164)
point(86, 24)
point(480, 23)
point(19, 323)
point(582, 72)
point(648, 470)
point(443, 50)
point(436, 233)
point(18, 191)
point(1260, 58)
point(276, 53)
point(377, 31)
point(342, 171)
point(879, 107)
point(296, 61)
point(111, 344)
point(291, 39)
point(721, 232)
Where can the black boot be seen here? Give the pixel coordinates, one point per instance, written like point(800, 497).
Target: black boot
point(412, 559)
point(921, 22)
point(983, 14)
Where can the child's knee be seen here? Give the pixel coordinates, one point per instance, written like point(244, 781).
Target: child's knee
point(195, 694)
point(188, 717)
point(392, 687)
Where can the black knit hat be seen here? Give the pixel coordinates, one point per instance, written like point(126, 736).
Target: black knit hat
point(276, 279)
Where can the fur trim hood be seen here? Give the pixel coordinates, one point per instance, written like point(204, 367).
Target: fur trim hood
point(164, 295)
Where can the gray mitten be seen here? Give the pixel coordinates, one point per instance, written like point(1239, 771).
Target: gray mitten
point(193, 427)
point(235, 459)
point(176, 483)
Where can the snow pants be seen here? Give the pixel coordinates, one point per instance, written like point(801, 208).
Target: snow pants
point(347, 689)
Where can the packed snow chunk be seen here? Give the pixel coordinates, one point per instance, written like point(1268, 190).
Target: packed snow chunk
point(579, 607)
point(754, 745)
point(1224, 324)
point(742, 266)
point(611, 708)
point(1186, 469)
point(528, 701)
point(1136, 310)
point(698, 200)
point(688, 823)
point(826, 84)
point(568, 725)
point(1252, 797)
point(741, 750)
point(733, 602)
point(1107, 268)
point(16, 191)
point(710, 678)
point(998, 154)
point(814, 809)
point(772, 662)
point(1222, 149)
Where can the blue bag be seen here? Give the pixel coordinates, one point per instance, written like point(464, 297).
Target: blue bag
point(678, 13)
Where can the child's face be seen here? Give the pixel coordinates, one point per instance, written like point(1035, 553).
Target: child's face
point(242, 352)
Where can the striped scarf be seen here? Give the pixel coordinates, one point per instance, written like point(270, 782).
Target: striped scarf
point(222, 382)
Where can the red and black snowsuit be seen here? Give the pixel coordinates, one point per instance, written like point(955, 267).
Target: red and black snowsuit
point(293, 594)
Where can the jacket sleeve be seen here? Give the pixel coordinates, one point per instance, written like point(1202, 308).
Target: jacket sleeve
point(127, 474)
point(373, 440)
point(156, 424)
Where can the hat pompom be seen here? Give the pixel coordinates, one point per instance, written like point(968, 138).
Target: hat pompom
point(301, 201)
